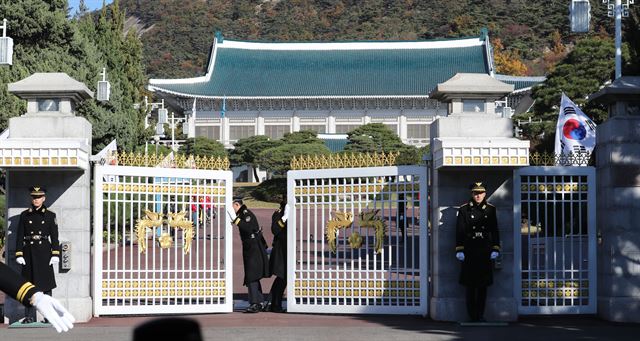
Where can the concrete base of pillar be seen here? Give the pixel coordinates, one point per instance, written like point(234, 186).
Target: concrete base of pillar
point(82, 308)
point(454, 309)
point(619, 309)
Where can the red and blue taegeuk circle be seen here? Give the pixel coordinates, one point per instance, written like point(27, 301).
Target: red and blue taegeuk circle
point(574, 130)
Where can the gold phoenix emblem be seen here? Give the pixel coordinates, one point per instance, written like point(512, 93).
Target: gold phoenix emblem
point(371, 219)
point(341, 220)
point(175, 220)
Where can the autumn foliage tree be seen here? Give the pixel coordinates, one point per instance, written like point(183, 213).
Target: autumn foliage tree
point(506, 61)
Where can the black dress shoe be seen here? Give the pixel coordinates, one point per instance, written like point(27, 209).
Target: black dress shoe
point(254, 308)
point(276, 309)
point(28, 320)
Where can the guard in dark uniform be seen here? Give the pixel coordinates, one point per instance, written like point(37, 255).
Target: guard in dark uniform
point(477, 245)
point(254, 254)
point(38, 247)
point(278, 258)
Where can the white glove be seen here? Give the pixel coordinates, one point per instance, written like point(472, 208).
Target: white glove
point(285, 215)
point(20, 260)
point(53, 311)
point(54, 260)
point(460, 256)
point(494, 254)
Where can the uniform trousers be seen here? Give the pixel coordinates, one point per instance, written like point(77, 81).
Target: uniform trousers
point(476, 298)
point(255, 292)
point(277, 291)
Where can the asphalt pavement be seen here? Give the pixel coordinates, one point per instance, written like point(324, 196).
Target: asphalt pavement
point(272, 326)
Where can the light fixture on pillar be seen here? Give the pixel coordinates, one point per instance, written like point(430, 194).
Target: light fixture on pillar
point(104, 87)
point(163, 115)
point(185, 126)
point(580, 15)
point(159, 129)
point(6, 46)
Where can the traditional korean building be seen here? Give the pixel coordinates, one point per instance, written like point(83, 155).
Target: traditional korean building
point(272, 88)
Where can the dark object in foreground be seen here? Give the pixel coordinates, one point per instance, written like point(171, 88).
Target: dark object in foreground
point(170, 328)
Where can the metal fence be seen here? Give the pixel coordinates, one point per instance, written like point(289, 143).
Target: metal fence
point(162, 241)
point(358, 240)
point(555, 236)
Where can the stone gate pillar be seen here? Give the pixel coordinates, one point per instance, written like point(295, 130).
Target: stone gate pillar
point(618, 201)
point(50, 146)
point(472, 143)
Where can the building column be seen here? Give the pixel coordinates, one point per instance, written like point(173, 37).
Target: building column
point(295, 123)
point(260, 125)
point(331, 124)
point(402, 125)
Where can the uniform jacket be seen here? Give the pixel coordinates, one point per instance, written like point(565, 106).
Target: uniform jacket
point(15, 286)
point(254, 253)
point(37, 241)
point(476, 236)
point(278, 258)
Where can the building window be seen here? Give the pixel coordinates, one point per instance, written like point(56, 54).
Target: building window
point(318, 128)
point(210, 132)
point(241, 132)
point(473, 105)
point(417, 131)
point(345, 128)
point(392, 127)
point(276, 131)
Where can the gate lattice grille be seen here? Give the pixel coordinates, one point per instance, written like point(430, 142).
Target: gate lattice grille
point(555, 240)
point(358, 279)
point(191, 275)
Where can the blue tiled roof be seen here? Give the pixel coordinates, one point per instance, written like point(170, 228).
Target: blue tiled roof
point(243, 69)
point(335, 145)
point(520, 82)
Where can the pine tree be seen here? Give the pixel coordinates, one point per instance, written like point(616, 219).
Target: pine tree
point(48, 41)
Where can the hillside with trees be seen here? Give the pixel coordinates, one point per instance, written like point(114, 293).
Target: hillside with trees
point(526, 34)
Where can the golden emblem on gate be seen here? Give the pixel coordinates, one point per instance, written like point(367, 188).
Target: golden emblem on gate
point(341, 220)
point(371, 219)
point(154, 220)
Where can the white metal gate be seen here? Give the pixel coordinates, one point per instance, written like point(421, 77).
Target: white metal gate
point(358, 240)
point(555, 240)
point(162, 241)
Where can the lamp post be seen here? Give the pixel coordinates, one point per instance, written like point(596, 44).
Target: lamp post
point(172, 124)
point(162, 118)
point(618, 10)
point(580, 16)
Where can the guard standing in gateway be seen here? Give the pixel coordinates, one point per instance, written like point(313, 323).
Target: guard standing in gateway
point(38, 247)
point(254, 254)
point(477, 245)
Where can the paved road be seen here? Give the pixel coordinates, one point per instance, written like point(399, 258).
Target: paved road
point(270, 326)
